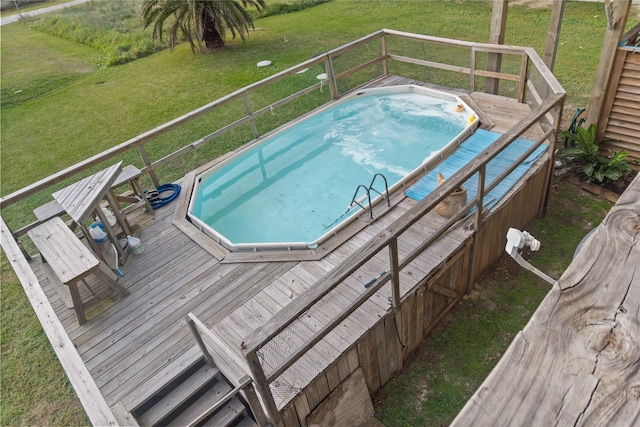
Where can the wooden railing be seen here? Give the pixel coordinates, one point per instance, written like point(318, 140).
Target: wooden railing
point(535, 85)
point(532, 90)
point(388, 240)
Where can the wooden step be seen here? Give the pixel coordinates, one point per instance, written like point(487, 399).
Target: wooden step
point(139, 399)
point(227, 414)
point(180, 395)
point(247, 422)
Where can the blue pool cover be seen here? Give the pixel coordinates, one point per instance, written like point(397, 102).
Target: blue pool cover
point(467, 151)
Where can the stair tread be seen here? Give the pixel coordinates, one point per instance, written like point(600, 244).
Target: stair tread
point(224, 416)
point(181, 364)
point(228, 414)
point(247, 422)
point(178, 396)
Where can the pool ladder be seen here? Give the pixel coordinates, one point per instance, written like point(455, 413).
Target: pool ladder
point(356, 200)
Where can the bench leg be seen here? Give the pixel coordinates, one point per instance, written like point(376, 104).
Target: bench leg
point(108, 279)
point(78, 305)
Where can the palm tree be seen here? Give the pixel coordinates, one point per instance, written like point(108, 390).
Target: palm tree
point(199, 20)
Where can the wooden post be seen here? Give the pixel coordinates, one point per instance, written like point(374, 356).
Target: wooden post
point(612, 38)
point(395, 273)
point(247, 107)
point(498, 25)
point(557, 117)
point(262, 386)
point(482, 173)
point(203, 347)
point(384, 53)
point(333, 87)
point(553, 36)
point(147, 164)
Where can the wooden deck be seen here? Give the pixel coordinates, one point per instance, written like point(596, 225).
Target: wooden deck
point(131, 346)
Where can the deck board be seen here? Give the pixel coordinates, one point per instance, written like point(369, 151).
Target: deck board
point(132, 346)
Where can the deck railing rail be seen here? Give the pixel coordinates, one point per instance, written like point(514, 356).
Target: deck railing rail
point(386, 240)
point(345, 71)
point(531, 88)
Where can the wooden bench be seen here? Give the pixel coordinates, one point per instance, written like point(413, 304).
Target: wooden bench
point(129, 175)
point(67, 261)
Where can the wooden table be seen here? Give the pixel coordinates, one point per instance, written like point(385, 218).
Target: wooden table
point(82, 200)
point(67, 261)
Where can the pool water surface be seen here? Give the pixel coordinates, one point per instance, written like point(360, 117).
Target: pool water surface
point(295, 188)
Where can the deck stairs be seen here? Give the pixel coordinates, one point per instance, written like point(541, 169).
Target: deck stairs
point(188, 397)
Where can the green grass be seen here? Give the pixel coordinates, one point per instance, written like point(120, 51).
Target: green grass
point(112, 27)
point(59, 107)
point(34, 388)
point(49, 126)
point(450, 365)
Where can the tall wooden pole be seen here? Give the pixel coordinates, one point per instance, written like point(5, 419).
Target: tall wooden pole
point(619, 13)
point(553, 36)
point(498, 26)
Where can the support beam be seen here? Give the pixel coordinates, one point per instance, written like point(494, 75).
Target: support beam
point(498, 26)
point(553, 36)
point(619, 13)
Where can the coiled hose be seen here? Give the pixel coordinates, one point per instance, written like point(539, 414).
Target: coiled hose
point(576, 122)
point(164, 194)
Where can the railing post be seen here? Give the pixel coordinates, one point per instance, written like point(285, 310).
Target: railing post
point(523, 76)
point(482, 172)
point(557, 117)
point(247, 108)
point(384, 53)
point(203, 347)
point(333, 88)
point(262, 386)
point(395, 273)
point(476, 225)
point(147, 164)
point(472, 71)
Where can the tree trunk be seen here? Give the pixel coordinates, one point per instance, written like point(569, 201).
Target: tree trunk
point(210, 34)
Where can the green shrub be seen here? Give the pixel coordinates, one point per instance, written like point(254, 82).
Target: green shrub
point(282, 8)
point(112, 27)
point(595, 166)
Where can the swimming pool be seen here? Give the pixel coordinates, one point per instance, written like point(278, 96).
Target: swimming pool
point(294, 189)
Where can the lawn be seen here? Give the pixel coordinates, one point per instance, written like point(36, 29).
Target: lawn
point(60, 104)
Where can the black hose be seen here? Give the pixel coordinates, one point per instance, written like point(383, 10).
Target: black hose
point(576, 122)
point(157, 198)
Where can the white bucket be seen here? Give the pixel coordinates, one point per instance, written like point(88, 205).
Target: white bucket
point(135, 244)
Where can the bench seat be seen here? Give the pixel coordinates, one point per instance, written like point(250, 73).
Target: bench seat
point(68, 262)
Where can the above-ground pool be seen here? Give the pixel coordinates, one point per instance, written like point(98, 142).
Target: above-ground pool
point(295, 189)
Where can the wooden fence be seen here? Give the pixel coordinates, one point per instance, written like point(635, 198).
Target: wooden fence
point(619, 126)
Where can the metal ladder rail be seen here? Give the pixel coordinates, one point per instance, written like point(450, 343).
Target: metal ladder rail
point(354, 200)
point(368, 190)
point(386, 188)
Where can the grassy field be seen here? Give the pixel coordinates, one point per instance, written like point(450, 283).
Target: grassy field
point(74, 109)
point(61, 105)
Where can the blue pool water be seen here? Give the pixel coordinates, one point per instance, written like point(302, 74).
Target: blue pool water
point(296, 186)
